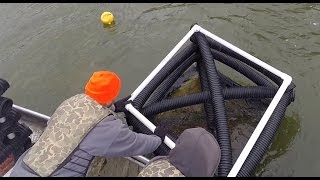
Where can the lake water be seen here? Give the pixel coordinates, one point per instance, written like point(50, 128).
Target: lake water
point(48, 52)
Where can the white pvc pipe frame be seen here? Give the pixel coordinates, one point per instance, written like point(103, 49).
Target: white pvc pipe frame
point(266, 116)
point(245, 152)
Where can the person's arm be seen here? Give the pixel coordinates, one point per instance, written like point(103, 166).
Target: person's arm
point(130, 143)
point(113, 138)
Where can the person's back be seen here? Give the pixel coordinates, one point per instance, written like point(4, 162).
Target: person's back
point(196, 154)
point(82, 127)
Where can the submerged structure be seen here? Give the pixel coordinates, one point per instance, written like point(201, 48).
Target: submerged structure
point(157, 95)
point(205, 49)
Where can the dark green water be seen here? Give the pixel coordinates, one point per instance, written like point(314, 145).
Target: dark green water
point(48, 52)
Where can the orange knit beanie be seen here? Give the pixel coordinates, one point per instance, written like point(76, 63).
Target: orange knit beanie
point(103, 86)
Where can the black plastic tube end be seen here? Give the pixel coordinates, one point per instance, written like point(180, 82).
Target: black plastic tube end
point(4, 85)
point(14, 115)
point(5, 106)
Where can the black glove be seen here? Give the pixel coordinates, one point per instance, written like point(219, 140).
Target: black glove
point(161, 132)
point(120, 104)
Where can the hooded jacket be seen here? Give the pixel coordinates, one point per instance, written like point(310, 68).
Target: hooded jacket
point(196, 154)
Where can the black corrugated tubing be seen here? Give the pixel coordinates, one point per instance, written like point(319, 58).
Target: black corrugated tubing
point(217, 101)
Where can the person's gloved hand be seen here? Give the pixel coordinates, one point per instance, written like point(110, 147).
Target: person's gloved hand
point(120, 105)
point(161, 132)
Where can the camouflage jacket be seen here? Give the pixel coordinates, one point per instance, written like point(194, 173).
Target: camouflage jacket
point(109, 138)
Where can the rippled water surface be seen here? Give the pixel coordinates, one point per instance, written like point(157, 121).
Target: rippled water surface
point(48, 52)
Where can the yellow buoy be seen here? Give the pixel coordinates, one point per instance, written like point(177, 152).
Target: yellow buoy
point(107, 18)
